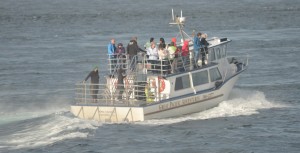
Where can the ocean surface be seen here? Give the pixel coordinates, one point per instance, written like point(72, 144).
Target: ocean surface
point(46, 46)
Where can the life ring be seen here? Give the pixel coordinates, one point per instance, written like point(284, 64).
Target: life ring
point(162, 84)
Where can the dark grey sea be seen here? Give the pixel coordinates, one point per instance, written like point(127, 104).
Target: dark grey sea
point(46, 46)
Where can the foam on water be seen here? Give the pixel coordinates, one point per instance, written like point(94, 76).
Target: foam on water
point(241, 102)
point(49, 130)
point(7, 118)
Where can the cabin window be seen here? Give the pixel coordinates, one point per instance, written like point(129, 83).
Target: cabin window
point(224, 51)
point(212, 55)
point(182, 82)
point(218, 51)
point(200, 78)
point(215, 74)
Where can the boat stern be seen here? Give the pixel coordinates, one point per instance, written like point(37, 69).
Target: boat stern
point(108, 113)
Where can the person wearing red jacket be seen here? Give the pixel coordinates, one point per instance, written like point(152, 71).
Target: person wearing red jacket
point(185, 52)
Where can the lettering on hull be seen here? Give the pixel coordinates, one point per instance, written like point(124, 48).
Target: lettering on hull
point(105, 113)
point(184, 102)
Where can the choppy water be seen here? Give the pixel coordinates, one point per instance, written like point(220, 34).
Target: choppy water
point(47, 46)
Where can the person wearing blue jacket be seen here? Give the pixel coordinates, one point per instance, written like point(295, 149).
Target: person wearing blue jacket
point(111, 48)
point(197, 48)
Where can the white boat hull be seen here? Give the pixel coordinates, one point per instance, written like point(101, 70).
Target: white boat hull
point(166, 109)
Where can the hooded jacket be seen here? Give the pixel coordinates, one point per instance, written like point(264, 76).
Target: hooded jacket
point(132, 48)
point(94, 77)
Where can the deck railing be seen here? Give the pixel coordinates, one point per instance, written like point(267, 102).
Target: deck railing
point(141, 63)
point(134, 91)
point(113, 94)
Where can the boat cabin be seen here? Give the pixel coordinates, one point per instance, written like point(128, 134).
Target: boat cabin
point(184, 83)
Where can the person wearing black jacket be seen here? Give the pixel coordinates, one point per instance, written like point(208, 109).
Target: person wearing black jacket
point(94, 83)
point(133, 49)
point(204, 50)
point(120, 86)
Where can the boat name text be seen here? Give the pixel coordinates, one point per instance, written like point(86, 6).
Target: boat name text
point(183, 102)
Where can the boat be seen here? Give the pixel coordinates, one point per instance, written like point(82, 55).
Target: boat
point(156, 90)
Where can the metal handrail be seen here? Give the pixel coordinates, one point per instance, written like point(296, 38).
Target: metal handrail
point(164, 66)
point(161, 67)
point(132, 94)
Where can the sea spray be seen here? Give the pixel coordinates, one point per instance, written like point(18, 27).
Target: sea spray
point(241, 102)
point(47, 130)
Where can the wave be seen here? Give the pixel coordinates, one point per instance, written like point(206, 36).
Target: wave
point(45, 130)
point(240, 103)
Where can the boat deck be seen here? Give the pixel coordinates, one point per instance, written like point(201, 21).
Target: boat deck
point(135, 91)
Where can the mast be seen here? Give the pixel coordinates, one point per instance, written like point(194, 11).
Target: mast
point(179, 21)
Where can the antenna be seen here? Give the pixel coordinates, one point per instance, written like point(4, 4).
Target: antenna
point(181, 14)
point(179, 21)
point(172, 15)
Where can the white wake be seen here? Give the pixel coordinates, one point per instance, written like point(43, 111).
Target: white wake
point(240, 102)
point(55, 128)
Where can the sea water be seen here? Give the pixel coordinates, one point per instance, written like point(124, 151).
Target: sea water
point(48, 46)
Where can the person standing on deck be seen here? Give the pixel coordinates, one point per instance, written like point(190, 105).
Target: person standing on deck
point(152, 52)
point(120, 50)
point(185, 53)
point(163, 62)
point(172, 50)
point(197, 48)
point(174, 40)
point(94, 86)
point(148, 44)
point(162, 43)
point(121, 57)
point(111, 48)
point(120, 86)
point(204, 50)
point(132, 50)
